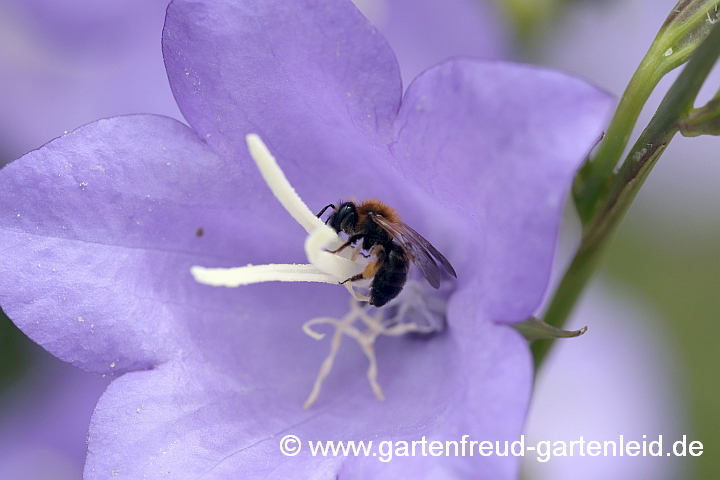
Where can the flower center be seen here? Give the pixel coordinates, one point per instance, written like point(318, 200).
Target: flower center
point(412, 311)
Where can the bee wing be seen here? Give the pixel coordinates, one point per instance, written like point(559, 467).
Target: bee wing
point(422, 252)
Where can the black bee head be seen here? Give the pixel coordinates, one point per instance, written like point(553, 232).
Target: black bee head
point(344, 218)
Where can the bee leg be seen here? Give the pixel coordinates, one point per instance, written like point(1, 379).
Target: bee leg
point(325, 208)
point(350, 241)
point(354, 278)
point(342, 247)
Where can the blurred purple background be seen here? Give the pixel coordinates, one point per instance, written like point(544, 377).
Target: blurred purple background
point(68, 63)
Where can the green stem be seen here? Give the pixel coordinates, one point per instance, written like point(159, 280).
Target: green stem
point(593, 180)
point(571, 286)
point(671, 48)
point(625, 184)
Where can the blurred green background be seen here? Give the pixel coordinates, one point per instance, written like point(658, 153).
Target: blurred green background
point(678, 275)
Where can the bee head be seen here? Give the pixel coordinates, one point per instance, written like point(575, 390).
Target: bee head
point(344, 218)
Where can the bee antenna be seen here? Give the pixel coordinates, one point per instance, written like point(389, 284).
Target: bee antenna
point(325, 208)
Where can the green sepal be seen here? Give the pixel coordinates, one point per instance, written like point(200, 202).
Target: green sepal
point(534, 329)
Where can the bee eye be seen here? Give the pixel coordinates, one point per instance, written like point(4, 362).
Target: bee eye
point(344, 211)
point(346, 216)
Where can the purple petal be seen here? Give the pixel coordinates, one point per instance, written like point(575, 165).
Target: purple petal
point(289, 71)
point(314, 78)
point(500, 143)
point(231, 408)
point(99, 229)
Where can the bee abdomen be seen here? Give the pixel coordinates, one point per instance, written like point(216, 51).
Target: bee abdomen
point(390, 278)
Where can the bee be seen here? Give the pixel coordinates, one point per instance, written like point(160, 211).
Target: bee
point(393, 244)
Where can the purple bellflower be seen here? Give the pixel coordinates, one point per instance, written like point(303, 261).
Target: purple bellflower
point(104, 224)
point(70, 62)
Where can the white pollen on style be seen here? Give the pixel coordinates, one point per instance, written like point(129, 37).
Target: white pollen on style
point(324, 266)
